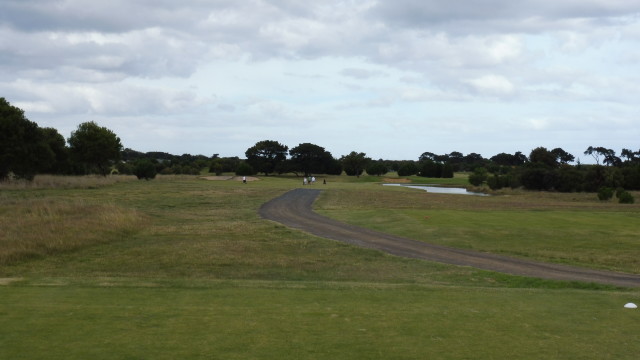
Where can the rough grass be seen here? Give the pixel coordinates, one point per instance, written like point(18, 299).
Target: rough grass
point(205, 277)
point(64, 182)
point(35, 228)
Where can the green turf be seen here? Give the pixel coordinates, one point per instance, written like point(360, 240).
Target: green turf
point(204, 277)
point(237, 320)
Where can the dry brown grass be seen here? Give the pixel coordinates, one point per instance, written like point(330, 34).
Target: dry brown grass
point(65, 182)
point(38, 227)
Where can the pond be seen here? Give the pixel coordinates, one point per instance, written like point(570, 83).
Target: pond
point(440, 189)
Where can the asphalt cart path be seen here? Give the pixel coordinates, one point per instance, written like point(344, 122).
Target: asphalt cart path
point(294, 209)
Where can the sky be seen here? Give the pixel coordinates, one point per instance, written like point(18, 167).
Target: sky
point(392, 79)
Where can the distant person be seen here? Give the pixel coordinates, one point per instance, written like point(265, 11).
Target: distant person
point(244, 179)
point(313, 179)
point(304, 181)
point(324, 181)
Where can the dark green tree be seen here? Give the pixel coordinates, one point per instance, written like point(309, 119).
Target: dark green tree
point(447, 171)
point(542, 156)
point(631, 156)
point(244, 169)
point(266, 156)
point(608, 155)
point(354, 163)
point(408, 168)
point(504, 159)
point(376, 168)
point(562, 156)
point(605, 193)
point(310, 159)
point(58, 145)
point(569, 179)
point(624, 197)
point(23, 145)
point(472, 161)
point(334, 167)
point(478, 177)
point(94, 148)
point(144, 169)
point(431, 169)
point(456, 158)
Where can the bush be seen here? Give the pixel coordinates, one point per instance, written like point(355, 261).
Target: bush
point(478, 177)
point(376, 169)
point(624, 197)
point(144, 169)
point(244, 169)
point(605, 193)
point(408, 169)
point(431, 169)
point(216, 168)
point(447, 171)
point(497, 182)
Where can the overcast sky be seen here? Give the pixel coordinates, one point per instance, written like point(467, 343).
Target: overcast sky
point(392, 79)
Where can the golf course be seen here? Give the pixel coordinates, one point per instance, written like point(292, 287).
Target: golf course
point(198, 267)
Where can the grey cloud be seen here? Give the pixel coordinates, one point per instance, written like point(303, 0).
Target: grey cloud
point(361, 73)
point(485, 16)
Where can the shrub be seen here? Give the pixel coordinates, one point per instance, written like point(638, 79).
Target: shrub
point(144, 169)
point(216, 168)
point(431, 169)
point(605, 193)
point(624, 197)
point(478, 177)
point(447, 171)
point(376, 168)
point(408, 169)
point(497, 182)
point(244, 169)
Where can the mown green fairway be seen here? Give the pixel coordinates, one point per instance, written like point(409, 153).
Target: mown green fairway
point(574, 229)
point(240, 320)
point(201, 276)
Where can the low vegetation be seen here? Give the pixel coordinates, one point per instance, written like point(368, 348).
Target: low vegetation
point(35, 228)
point(181, 267)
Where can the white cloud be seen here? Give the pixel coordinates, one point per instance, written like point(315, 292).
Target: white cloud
point(236, 71)
point(492, 84)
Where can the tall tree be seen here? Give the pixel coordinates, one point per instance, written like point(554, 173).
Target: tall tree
point(266, 156)
point(562, 156)
point(94, 148)
point(541, 155)
point(23, 147)
point(630, 155)
point(354, 163)
point(58, 145)
point(310, 158)
point(609, 155)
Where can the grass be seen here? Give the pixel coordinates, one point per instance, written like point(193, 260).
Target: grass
point(64, 182)
point(238, 320)
point(574, 229)
point(200, 275)
point(35, 228)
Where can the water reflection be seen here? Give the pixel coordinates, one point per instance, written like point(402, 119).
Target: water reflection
point(439, 189)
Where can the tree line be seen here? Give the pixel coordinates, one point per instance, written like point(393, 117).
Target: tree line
point(550, 170)
point(27, 149)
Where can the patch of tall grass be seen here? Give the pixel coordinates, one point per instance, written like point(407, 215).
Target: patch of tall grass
point(31, 228)
point(64, 182)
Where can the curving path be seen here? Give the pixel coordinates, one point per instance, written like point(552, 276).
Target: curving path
point(294, 209)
